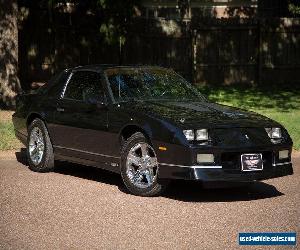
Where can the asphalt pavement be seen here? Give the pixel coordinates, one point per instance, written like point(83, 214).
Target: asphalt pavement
point(79, 207)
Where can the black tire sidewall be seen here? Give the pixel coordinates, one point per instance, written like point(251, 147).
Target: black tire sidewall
point(47, 162)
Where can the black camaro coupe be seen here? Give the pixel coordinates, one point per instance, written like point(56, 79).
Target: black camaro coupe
point(150, 125)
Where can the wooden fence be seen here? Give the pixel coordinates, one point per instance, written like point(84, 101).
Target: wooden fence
point(226, 53)
point(212, 51)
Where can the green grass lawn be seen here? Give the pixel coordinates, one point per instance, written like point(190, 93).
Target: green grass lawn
point(279, 104)
point(7, 136)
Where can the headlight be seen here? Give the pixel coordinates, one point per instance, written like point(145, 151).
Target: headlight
point(201, 135)
point(189, 134)
point(274, 133)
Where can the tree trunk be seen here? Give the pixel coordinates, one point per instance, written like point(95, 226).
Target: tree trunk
point(9, 81)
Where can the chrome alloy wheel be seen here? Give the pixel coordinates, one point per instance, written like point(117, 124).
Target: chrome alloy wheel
point(141, 165)
point(36, 145)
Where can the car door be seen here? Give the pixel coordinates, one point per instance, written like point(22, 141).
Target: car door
point(81, 118)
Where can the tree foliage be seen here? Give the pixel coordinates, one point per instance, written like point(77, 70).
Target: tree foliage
point(115, 14)
point(294, 7)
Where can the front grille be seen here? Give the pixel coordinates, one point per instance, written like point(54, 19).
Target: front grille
point(232, 160)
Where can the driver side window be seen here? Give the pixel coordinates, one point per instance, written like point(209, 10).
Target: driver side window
point(85, 86)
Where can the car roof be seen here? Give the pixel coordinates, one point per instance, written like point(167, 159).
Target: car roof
point(101, 67)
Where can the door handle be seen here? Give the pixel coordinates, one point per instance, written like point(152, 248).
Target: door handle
point(60, 109)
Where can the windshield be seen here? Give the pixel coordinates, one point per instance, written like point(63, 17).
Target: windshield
point(150, 83)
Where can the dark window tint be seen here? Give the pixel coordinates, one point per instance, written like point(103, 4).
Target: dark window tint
point(85, 86)
point(122, 83)
point(150, 83)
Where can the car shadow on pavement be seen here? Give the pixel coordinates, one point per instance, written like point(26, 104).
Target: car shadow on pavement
point(89, 173)
point(186, 191)
point(22, 156)
point(194, 192)
point(77, 170)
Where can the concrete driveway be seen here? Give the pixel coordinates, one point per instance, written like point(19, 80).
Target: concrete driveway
point(80, 207)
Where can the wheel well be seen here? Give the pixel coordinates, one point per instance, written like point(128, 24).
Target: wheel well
point(31, 117)
point(129, 131)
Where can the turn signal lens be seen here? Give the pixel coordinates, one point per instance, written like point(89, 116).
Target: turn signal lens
point(162, 148)
point(205, 158)
point(283, 154)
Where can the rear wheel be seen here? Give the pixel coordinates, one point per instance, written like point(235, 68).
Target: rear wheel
point(139, 167)
point(39, 148)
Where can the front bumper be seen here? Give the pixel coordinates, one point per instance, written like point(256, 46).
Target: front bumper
point(218, 174)
point(227, 167)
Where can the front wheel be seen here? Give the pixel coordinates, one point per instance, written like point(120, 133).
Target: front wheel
point(139, 167)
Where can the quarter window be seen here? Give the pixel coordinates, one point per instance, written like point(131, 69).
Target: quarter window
point(85, 86)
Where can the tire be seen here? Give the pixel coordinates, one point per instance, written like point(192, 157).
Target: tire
point(153, 189)
point(45, 163)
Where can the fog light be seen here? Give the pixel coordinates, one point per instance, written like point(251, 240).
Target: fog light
point(283, 154)
point(205, 158)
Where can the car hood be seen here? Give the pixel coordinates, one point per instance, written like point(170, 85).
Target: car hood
point(202, 114)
